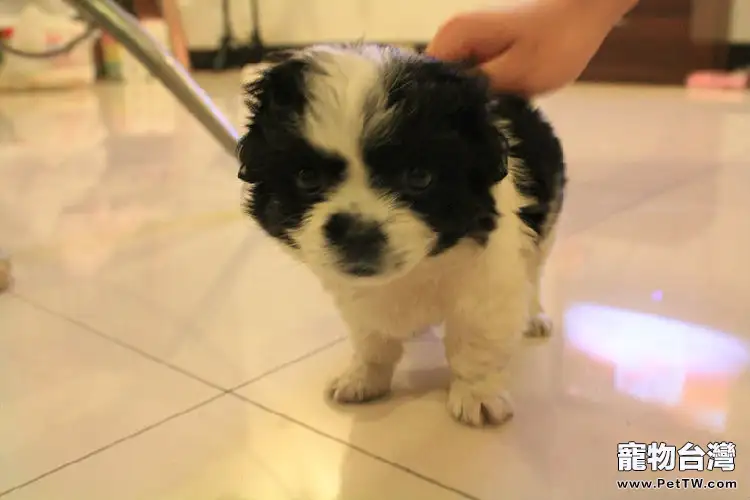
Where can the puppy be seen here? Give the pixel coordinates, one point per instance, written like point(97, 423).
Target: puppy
point(418, 198)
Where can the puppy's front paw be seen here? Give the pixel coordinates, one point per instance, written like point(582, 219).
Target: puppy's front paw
point(477, 409)
point(539, 326)
point(360, 384)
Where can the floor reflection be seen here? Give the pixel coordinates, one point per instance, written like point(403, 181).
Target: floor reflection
point(685, 367)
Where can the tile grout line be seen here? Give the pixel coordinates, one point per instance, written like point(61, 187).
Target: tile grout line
point(356, 448)
point(116, 442)
point(223, 391)
point(288, 364)
point(641, 200)
point(118, 342)
point(160, 361)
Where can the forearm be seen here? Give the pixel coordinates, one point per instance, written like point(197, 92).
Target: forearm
point(609, 11)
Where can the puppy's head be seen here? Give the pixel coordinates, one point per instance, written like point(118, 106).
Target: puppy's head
point(365, 160)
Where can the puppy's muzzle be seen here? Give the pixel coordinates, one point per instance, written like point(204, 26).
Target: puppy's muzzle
point(359, 244)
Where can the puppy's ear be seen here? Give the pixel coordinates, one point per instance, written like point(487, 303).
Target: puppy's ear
point(275, 99)
point(477, 105)
point(457, 94)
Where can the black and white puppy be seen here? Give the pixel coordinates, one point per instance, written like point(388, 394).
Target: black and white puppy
point(418, 198)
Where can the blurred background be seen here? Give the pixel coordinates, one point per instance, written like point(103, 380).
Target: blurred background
point(661, 41)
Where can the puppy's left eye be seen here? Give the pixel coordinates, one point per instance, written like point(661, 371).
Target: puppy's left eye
point(417, 179)
point(309, 181)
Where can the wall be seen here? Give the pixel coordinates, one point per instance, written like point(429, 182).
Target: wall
point(308, 21)
point(10, 8)
point(740, 32)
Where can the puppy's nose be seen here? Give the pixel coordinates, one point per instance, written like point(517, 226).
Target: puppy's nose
point(358, 241)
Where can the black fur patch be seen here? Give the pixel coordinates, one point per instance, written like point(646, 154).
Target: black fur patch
point(542, 169)
point(273, 155)
point(442, 128)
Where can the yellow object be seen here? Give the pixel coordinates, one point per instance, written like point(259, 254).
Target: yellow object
point(4, 272)
point(111, 57)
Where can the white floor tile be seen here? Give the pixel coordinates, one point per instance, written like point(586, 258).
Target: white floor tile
point(572, 410)
point(65, 392)
point(230, 450)
point(215, 303)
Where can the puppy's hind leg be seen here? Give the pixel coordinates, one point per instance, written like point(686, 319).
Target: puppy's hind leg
point(370, 371)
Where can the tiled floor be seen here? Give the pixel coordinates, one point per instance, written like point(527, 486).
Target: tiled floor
point(147, 353)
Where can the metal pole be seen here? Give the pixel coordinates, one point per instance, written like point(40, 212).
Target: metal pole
point(126, 30)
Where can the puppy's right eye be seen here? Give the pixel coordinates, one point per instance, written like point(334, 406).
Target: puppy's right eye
point(309, 181)
point(417, 180)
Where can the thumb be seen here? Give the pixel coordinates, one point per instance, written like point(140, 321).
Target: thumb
point(478, 36)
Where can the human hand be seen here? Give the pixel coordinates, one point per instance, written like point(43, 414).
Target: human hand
point(531, 49)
